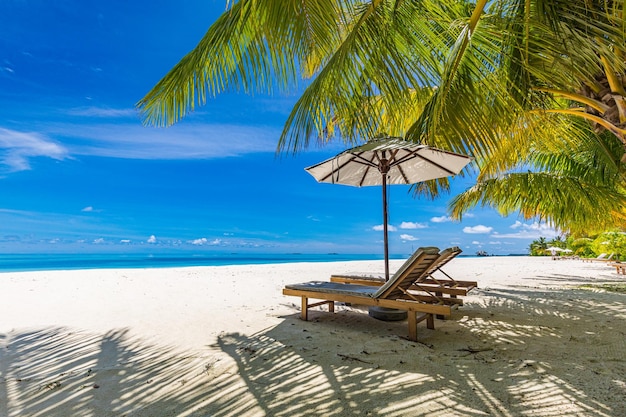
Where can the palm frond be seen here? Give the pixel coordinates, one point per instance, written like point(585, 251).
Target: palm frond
point(575, 186)
point(565, 202)
point(255, 46)
point(371, 64)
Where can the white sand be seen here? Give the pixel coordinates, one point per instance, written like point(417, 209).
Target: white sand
point(224, 341)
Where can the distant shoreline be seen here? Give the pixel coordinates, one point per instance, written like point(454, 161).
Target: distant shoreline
point(64, 261)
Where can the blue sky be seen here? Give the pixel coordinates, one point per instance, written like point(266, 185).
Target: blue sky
point(80, 173)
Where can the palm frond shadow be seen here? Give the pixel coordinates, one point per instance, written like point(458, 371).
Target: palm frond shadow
point(304, 380)
point(299, 372)
point(56, 371)
point(506, 352)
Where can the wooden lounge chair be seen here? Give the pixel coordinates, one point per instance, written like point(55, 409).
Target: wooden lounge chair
point(620, 268)
point(435, 286)
point(601, 258)
point(392, 294)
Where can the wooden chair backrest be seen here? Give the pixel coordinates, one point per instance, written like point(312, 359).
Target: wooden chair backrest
point(412, 270)
point(445, 256)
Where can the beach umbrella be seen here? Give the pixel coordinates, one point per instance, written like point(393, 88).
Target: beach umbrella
point(554, 249)
point(390, 160)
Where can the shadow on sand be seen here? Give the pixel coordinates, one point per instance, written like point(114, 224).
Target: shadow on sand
point(492, 359)
point(504, 362)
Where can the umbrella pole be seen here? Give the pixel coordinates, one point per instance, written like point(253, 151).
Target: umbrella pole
point(385, 313)
point(385, 227)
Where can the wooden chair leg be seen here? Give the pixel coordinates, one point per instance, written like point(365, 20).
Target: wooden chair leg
point(305, 309)
point(430, 322)
point(412, 319)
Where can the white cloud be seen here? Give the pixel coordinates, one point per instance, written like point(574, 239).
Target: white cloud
point(475, 242)
point(441, 219)
point(516, 225)
point(205, 241)
point(19, 147)
point(408, 237)
point(90, 209)
point(532, 226)
point(191, 140)
point(495, 243)
point(413, 225)
point(125, 241)
point(152, 239)
point(98, 241)
point(479, 229)
point(380, 228)
point(102, 112)
point(533, 230)
point(183, 141)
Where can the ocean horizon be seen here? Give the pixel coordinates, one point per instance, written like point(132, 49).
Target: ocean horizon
point(68, 261)
point(71, 261)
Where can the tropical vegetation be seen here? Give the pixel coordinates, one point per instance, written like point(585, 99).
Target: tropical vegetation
point(585, 247)
point(533, 89)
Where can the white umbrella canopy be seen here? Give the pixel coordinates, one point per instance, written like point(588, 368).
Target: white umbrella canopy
point(555, 249)
point(385, 161)
point(404, 163)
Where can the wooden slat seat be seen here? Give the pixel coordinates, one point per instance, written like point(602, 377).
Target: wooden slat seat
point(393, 294)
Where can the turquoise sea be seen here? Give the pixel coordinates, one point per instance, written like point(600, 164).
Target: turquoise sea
point(65, 261)
point(48, 262)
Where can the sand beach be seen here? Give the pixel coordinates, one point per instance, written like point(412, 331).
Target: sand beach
point(224, 341)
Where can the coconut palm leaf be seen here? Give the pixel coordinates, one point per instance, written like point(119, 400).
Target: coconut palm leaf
point(371, 73)
point(565, 202)
point(522, 85)
point(577, 187)
point(255, 46)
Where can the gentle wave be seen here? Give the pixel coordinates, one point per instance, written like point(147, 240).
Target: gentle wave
point(47, 262)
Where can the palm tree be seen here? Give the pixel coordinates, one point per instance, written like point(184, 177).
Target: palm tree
point(512, 82)
point(539, 246)
point(558, 242)
point(576, 186)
